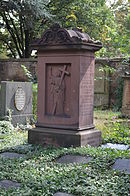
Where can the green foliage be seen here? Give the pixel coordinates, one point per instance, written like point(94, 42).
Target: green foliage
point(89, 15)
point(117, 133)
point(107, 23)
point(39, 174)
point(107, 69)
point(21, 21)
point(6, 127)
point(113, 128)
point(18, 20)
point(27, 73)
point(21, 127)
point(116, 31)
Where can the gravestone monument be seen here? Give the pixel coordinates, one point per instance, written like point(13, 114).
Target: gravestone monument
point(17, 97)
point(65, 89)
point(126, 96)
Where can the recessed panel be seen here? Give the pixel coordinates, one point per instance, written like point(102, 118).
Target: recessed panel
point(58, 90)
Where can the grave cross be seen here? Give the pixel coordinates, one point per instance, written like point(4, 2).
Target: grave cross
point(63, 73)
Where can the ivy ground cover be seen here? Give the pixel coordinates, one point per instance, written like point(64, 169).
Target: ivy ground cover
point(39, 174)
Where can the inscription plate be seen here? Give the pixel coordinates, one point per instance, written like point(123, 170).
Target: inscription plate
point(20, 99)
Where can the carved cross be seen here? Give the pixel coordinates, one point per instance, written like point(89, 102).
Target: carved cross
point(64, 72)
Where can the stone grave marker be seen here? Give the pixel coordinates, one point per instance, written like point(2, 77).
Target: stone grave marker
point(65, 89)
point(16, 96)
point(62, 194)
point(122, 165)
point(115, 146)
point(11, 155)
point(8, 184)
point(126, 96)
point(73, 159)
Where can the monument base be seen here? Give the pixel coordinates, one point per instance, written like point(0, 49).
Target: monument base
point(64, 138)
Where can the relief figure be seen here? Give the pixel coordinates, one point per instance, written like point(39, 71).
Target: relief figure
point(57, 90)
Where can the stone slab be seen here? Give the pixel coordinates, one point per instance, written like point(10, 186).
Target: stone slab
point(116, 146)
point(17, 97)
point(22, 119)
point(11, 155)
point(63, 137)
point(122, 165)
point(61, 194)
point(73, 159)
point(7, 184)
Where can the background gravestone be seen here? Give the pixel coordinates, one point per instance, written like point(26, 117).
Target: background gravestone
point(16, 96)
point(126, 97)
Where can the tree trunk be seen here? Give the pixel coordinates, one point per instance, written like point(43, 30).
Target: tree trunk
point(27, 51)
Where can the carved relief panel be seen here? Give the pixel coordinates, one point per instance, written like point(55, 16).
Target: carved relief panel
point(58, 83)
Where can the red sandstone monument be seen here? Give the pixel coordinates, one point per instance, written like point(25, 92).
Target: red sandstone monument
point(65, 89)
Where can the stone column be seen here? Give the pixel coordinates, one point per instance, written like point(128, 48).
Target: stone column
point(65, 89)
point(126, 97)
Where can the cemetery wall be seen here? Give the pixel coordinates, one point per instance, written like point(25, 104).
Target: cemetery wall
point(112, 81)
point(10, 69)
point(105, 89)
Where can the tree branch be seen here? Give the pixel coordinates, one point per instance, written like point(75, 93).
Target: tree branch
point(11, 33)
point(27, 52)
point(21, 32)
point(16, 32)
point(8, 45)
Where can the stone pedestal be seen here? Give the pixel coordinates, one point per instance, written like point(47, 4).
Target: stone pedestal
point(65, 89)
point(63, 137)
point(126, 97)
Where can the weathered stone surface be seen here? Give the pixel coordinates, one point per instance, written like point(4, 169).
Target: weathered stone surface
point(19, 99)
point(66, 89)
point(11, 70)
point(122, 165)
point(126, 97)
point(11, 155)
point(63, 137)
point(16, 96)
point(62, 194)
point(7, 184)
point(116, 146)
point(59, 36)
point(73, 159)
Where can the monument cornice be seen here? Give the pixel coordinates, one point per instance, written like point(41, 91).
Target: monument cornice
point(59, 38)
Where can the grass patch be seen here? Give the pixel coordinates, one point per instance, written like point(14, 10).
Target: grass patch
point(114, 129)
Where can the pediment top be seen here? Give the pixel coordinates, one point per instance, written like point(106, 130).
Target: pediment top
point(57, 35)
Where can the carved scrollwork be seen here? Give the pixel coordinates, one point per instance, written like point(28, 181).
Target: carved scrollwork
point(57, 35)
point(63, 37)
